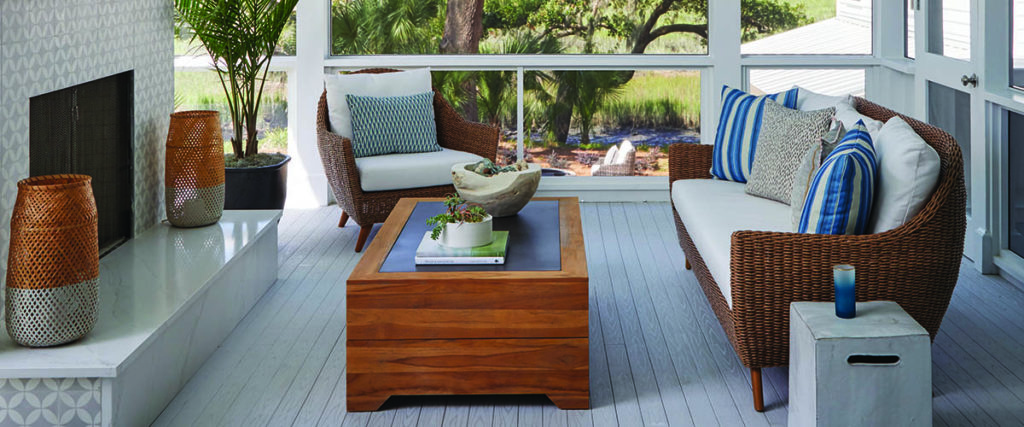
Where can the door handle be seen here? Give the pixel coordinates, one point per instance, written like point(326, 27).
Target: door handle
point(969, 80)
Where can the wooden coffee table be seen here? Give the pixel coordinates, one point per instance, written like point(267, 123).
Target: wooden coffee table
point(521, 328)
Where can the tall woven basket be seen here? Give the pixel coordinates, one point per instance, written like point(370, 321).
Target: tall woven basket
point(194, 173)
point(53, 264)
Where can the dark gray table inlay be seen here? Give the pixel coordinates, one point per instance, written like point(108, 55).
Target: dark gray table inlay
point(533, 241)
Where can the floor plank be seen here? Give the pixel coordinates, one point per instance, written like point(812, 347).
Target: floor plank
point(658, 355)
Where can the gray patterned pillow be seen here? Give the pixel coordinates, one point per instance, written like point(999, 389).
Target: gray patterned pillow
point(786, 135)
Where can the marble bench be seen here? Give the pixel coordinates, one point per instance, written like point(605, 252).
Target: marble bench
point(168, 298)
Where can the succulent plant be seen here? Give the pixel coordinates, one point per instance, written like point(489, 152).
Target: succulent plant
point(457, 211)
point(486, 167)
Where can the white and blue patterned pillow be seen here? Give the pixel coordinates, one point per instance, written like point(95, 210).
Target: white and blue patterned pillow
point(393, 124)
point(840, 196)
point(739, 126)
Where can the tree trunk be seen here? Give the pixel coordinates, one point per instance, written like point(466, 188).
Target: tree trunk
point(463, 28)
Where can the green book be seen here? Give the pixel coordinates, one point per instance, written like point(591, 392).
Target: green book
point(431, 252)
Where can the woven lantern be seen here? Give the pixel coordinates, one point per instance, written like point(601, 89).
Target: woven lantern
point(194, 173)
point(53, 264)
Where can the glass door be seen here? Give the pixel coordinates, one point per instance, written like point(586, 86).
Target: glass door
point(949, 97)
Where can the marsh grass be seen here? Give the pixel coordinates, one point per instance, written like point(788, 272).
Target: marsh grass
point(655, 99)
point(201, 90)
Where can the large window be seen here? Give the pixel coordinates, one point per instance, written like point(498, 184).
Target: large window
point(807, 27)
point(910, 48)
point(375, 27)
point(1015, 215)
point(1017, 44)
point(824, 81)
point(572, 118)
point(201, 90)
point(949, 28)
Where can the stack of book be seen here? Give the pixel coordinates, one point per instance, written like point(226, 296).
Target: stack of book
point(430, 252)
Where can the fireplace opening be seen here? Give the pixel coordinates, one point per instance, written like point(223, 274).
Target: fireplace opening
point(87, 129)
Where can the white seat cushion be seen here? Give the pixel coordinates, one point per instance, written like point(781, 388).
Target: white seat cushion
point(412, 170)
point(713, 209)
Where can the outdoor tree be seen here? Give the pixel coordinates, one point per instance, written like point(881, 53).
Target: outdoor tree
point(463, 28)
point(535, 27)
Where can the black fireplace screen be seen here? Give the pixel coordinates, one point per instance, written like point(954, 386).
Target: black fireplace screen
point(87, 129)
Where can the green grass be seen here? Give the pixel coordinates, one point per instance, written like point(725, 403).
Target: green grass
point(817, 10)
point(655, 99)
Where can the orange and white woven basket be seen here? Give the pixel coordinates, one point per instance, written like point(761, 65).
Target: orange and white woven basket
point(53, 264)
point(194, 173)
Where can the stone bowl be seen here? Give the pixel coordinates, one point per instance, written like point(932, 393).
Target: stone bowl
point(503, 194)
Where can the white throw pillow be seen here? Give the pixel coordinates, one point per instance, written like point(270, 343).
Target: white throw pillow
point(849, 115)
point(908, 170)
point(610, 157)
point(410, 82)
point(808, 100)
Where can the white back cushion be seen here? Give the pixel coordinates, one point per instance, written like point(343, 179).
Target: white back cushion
point(610, 157)
point(410, 82)
point(808, 100)
point(849, 115)
point(908, 170)
point(624, 150)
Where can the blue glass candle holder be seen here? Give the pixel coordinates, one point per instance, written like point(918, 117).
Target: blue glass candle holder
point(846, 296)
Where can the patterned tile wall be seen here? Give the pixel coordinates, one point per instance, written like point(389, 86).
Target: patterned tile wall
point(46, 45)
point(51, 402)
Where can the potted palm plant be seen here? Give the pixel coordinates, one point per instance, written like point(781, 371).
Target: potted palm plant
point(241, 36)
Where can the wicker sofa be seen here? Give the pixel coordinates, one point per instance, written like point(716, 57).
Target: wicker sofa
point(369, 207)
point(915, 265)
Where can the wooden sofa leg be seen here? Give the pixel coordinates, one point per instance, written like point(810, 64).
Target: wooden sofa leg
point(755, 384)
point(688, 266)
point(344, 219)
point(364, 232)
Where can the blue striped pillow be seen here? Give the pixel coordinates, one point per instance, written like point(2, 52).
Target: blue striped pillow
point(393, 124)
point(840, 195)
point(738, 128)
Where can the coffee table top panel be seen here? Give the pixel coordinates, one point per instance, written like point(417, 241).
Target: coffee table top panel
point(533, 243)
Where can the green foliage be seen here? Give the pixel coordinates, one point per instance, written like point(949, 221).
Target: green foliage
point(457, 211)
point(241, 38)
point(487, 168)
point(386, 26)
point(655, 99)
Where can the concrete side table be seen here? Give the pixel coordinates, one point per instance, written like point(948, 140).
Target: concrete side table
point(874, 369)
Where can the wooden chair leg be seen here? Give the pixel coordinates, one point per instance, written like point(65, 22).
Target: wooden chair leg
point(688, 266)
point(344, 219)
point(364, 232)
point(755, 384)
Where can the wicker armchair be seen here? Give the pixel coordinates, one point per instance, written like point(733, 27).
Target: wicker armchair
point(368, 208)
point(617, 167)
point(915, 265)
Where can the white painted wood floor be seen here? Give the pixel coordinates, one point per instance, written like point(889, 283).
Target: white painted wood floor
point(658, 355)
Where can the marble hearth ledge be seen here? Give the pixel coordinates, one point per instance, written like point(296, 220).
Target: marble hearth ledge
point(145, 284)
point(168, 298)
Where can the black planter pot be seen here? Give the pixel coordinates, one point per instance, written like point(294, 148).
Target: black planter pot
point(256, 188)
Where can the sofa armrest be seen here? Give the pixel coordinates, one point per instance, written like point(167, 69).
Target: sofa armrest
point(689, 161)
point(457, 133)
point(770, 270)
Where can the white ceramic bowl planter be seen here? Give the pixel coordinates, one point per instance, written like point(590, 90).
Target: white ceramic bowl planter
point(468, 234)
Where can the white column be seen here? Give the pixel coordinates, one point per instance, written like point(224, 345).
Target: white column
point(307, 184)
point(724, 51)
